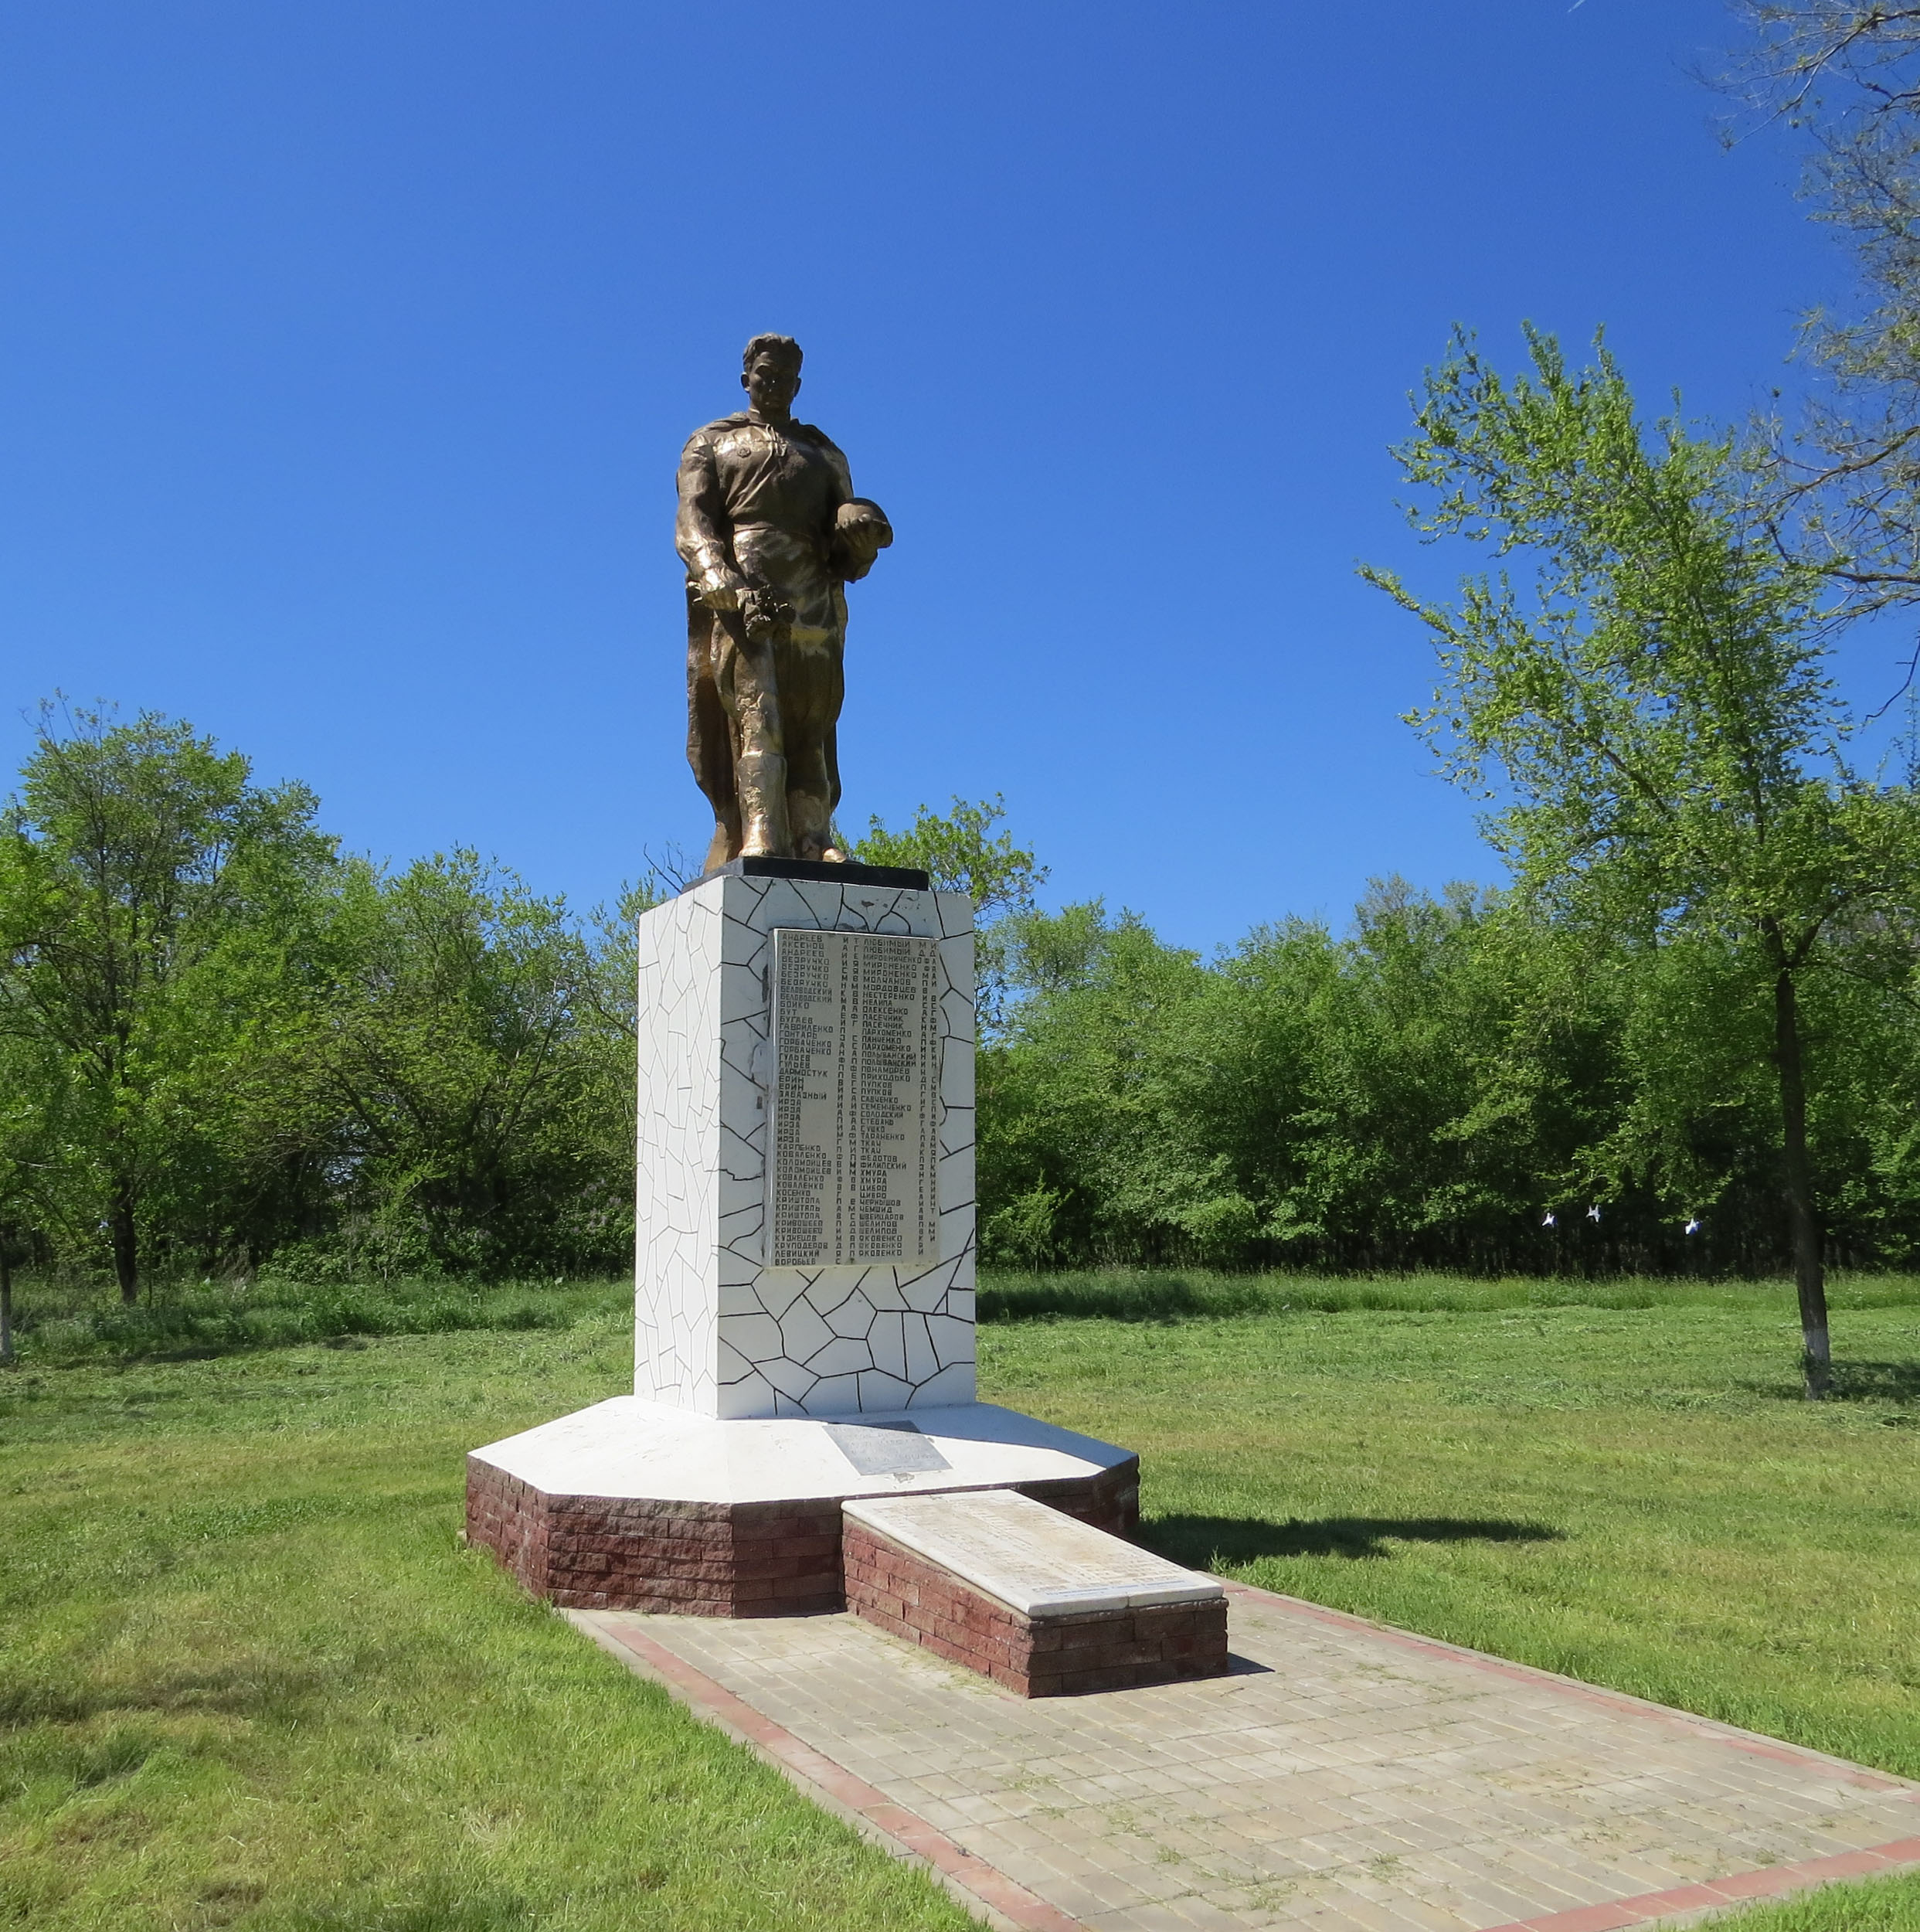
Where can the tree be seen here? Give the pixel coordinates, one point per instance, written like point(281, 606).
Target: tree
point(1407, 1095)
point(30, 1118)
point(145, 885)
point(963, 855)
point(480, 1071)
point(1846, 476)
point(1082, 1154)
point(961, 852)
point(1651, 717)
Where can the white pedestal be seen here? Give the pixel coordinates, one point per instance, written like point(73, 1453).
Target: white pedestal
point(718, 1331)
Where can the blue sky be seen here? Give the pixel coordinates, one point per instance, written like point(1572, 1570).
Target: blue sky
point(346, 352)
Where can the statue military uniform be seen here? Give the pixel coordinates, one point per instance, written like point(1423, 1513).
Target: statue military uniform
point(770, 531)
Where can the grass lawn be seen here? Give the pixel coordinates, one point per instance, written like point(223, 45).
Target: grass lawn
point(1632, 1494)
point(248, 1676)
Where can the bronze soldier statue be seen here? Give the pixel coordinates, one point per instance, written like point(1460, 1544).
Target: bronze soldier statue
point(770, 531)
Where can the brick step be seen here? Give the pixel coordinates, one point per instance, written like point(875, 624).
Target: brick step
point(1043, 1605)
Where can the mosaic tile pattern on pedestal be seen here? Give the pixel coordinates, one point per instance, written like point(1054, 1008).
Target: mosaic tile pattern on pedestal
point(717, 1331)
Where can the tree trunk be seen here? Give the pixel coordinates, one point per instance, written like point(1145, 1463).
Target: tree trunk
point(126, 1247)
point(6, 1304)
point(1809, 1275)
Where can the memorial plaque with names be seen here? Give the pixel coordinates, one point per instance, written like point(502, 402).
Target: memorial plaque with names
point(854, 1166)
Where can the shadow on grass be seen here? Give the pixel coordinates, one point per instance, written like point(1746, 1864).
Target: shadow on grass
point(248, 1688)
point(1154, 1295)
point(1877, 1382)
point(438, 1903)
point(1206, 1542)
point(1197, 1294)
point(1118, 1298)
point(1897, 1382)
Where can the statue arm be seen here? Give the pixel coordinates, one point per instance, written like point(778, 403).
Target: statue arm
point(843, 474)
point(860, 530)
point(700, 529)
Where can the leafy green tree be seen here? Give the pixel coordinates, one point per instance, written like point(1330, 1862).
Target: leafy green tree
point(961, 852)
point(609, 1012)
point(30, 1113)
point(1845, 470)
point(1431, 1099)
point(483, 1092)
point(1407, 1095)
point(1650, 715)
point(1076, 1159)
point(146, 886)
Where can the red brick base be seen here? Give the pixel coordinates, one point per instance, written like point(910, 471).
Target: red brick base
point(1048, 1656)
point(1109, 1500)
point(700, 1559)
point(709, 1559)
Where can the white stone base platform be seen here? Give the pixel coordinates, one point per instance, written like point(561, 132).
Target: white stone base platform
point(631, 1505)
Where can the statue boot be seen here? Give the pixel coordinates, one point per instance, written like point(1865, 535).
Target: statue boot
point(760, 780)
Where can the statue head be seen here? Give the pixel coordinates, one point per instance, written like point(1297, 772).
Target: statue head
point(770, 373)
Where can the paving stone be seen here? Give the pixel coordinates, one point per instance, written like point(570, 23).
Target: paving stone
point(1415, 1788)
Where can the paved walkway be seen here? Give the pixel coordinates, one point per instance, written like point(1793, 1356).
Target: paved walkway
point(1345, 1777)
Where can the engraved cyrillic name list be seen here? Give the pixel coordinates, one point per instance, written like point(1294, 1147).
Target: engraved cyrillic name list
point(856, 1160)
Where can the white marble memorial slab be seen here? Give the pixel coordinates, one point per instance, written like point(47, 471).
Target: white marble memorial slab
point(855, 1173)
point(1033, 1559)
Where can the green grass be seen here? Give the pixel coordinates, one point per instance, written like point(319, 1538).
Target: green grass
point(1882, 1905)
point(81, 1319)
point(69, 1321)
point(1162, 1294)
point(1635, 1495)
point(247, 1676)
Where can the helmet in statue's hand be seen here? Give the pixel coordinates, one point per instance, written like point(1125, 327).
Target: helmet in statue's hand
point(861, 532)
